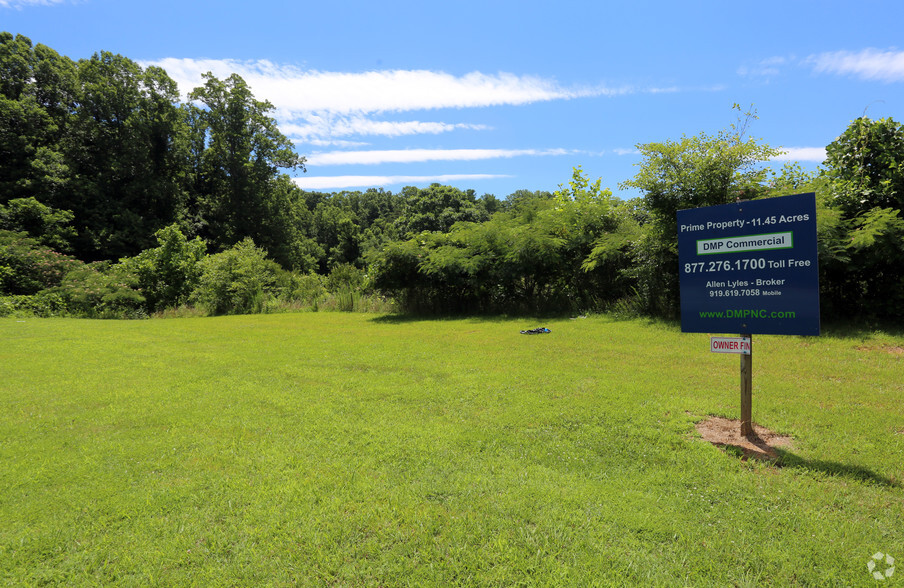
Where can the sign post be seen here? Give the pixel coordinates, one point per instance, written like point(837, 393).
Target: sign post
point(750, 267)
point(747, 393)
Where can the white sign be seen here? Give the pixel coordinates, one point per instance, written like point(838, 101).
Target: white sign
point(730, 345)
point(749, 243)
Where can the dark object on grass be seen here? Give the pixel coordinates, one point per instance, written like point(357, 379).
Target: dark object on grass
point(537, 331)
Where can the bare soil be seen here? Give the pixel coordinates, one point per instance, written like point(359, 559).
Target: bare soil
point(724, 432)
point(890, 349)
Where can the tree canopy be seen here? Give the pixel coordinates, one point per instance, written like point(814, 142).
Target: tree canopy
point(116, 197)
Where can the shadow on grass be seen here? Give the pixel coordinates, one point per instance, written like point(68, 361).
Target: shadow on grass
point(835, 469)
point(528, 319)
point(669, 324)
point(860, 330)
point(401, 319)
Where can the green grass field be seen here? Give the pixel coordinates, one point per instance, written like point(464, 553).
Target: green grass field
point(357, 450)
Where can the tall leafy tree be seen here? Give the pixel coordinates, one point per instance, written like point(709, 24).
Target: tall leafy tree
point(37, 95)
point(865, 174)
point(127, 151)
point(238, 152)
point(52, 228)
point(703, 170)
point(437, 208)
point(866, 166)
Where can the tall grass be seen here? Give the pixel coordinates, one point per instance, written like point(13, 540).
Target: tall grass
point(348, 449)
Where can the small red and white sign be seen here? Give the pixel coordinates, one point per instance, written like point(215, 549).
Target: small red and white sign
point(730, 345)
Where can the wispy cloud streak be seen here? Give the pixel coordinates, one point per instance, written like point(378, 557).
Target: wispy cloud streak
point(811, 154)
point(18, 4)
point(321, 125)
point(343, 182)
point(374, 157)
point(867, 64)
point(323, 107)
point(295, 90)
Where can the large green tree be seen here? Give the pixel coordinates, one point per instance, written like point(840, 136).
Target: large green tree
point(703, 170)
point(37, 95)
point(127, 152)
point(866, 166)
point(237, 152)
point(864, 181)
point(437, 208)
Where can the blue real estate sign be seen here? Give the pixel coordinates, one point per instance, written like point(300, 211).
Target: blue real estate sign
point(750, 267)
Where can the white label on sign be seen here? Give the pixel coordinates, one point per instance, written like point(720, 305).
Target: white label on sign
point(730, 345)
point(749, 243)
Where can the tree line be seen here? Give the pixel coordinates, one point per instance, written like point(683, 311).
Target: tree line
point(119, 199)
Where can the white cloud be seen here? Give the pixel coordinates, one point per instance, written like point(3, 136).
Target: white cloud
point(343, 182)
point(333, 143)
point(765, 68)
point(23, 3)
point(324, 106)
point(326, 125)
point(375, 157)
point(813, 154)
point(295, 90)
point(867, 64)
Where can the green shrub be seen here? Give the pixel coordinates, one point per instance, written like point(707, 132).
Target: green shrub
point(42, 304)
point(98, 291)
point(304, 290)
point(237, 281)
point(26, 267)
point(347, 284)
point(167, 275)
point(345, 277)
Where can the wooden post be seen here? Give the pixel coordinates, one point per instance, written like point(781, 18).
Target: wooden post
point(747, 391)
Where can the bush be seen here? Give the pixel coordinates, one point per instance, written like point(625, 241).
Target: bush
point(345, 277)
point(26, 267)
point(167, 275)
point(302, 290)
point(237, 281)
point(42, 304)
point(98, 291)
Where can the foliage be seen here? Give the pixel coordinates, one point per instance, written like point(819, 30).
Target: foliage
point(236, 281)
point(50, 227)
point(866, 166)
point(301, 290)
point(287, 228)
point(168, 274)
point(239, 152)
point(704, 170)
point(537, 255)
point(338, 234)
point(98, 291)
point(45, 303)
point(437, 208)
point(126, 151)
point(346, 277)
point(864, 188)
point(37, 96)
point(27, 267)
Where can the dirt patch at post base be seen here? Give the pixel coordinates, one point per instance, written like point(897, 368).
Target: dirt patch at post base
point(724, 432)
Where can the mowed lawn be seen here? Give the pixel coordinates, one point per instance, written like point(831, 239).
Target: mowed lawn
point(358, 450)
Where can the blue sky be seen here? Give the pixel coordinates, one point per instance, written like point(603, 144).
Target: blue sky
point(500, 96)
